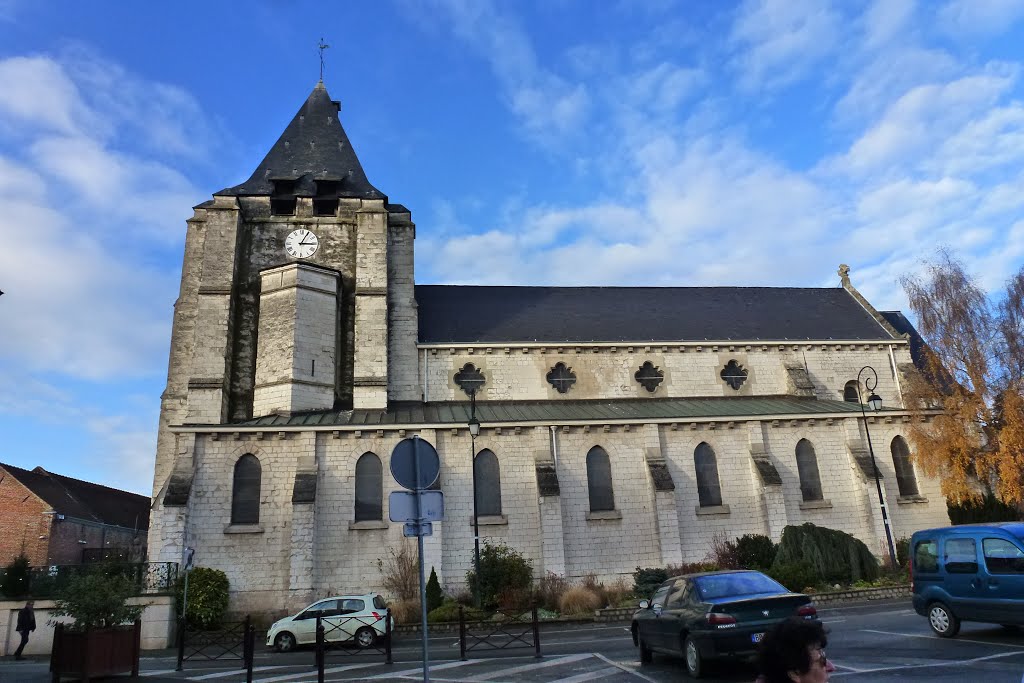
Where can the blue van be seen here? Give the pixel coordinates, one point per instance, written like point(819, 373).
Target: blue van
point(973, 572)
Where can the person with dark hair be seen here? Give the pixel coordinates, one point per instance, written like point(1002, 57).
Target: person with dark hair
point(26, 624)
point(794, 652)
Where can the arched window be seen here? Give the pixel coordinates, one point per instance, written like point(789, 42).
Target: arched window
point(807, 468)
point(709, 492)
point(488, 484)
point(245, 491)
point(369, 488)
point(599, 480)
point(850, 392)
point(905, 477)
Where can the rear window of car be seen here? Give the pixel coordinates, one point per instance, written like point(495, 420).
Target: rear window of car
point(728, 585)
point(926, 556)
point(379, 603)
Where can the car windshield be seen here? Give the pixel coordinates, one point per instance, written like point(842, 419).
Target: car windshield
point(730, 585)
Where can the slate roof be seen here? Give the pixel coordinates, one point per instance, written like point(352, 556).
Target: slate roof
point(314, 146)
point(85, 500)
point(557, 412)
point(469, 314)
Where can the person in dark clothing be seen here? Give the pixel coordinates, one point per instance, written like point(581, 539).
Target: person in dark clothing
point(794, 652)
point(26, 624)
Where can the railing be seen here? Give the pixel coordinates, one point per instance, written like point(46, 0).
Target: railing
point(509, 628)
point(353, 635)
point(147, 577)
point(236, 640)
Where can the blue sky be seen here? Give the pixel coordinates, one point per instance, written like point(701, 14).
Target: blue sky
point(561, 142)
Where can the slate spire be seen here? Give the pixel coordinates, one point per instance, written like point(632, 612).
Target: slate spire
point(313, 157)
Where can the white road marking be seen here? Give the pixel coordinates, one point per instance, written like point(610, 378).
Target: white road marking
point(959, 662)
point(433, 667)
point(569, 659)
point(948, 640)
point(589, 675)
point(298, 677)
point(625, 667)
point(236, 672)
point(158, 673)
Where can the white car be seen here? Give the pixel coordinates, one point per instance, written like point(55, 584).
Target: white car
point(357, 618)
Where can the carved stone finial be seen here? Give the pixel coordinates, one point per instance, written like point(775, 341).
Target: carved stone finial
point(844, 274)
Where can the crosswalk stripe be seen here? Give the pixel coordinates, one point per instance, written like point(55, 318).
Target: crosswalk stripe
point(589, 675)
point(433, 667)
point(236, 672)
point(533, 667)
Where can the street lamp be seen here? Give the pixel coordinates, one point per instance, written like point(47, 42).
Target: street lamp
point(474, 431)
point(875, 401)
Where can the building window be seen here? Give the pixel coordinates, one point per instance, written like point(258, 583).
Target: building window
point(470, 379)
point(245, 491)
point(905, 477)
point(369, 488)
point(561, 377)
point(734, 374)
point(487, 483)
point(649, 376)
point(709, 491)
point(850, 394)
point(599, 480)
point(807, 468)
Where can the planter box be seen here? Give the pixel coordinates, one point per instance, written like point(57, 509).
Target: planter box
point(95, 652)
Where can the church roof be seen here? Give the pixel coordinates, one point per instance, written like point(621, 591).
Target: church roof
point(83, 499)
point(314, 147)
point(562, 411)
point(470, 314)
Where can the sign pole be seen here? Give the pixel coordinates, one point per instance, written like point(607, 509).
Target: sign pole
point(419, 543)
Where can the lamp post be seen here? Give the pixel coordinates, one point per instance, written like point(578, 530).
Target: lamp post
point(474, 431)
point(875, 401)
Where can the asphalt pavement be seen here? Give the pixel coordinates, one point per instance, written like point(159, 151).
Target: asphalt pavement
point(874, 642)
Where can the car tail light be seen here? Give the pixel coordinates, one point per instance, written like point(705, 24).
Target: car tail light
point(376, 615)
point(721, 620)
point(807, 611)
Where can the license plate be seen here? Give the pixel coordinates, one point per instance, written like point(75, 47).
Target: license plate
point(756, 637)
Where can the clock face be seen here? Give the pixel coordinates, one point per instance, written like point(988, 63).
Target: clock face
point(301, 243)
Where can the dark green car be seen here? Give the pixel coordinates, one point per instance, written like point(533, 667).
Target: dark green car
point(714, 615)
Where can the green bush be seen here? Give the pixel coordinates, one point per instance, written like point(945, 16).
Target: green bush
point(796, 576)
point(902, 551)
point(435, 596)
point(207, 597)
point(501, 569)
point(15, 581)
point(646, 581)
point(95, 599)
point(755, 551)
point(987, 509)
point(449, 611)
point(836, 556)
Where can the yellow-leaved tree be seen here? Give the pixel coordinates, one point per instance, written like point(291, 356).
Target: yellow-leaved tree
point(973, 371)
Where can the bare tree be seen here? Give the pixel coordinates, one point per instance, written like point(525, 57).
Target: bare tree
point(973, 371)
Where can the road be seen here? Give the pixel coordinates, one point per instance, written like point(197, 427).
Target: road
point(876, 642)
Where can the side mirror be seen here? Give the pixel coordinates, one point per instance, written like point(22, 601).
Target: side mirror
point(644, 604)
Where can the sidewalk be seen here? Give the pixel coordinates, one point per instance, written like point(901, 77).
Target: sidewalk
point(37, 670)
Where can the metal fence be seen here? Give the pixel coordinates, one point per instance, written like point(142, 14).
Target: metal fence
point(508, 628)
point(235, 640)
point(148, 578)
point(353, 635)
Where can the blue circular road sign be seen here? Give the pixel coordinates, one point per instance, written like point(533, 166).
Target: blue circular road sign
point(415, 463)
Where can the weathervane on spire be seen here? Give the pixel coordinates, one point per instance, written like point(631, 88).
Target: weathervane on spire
point(322, 46)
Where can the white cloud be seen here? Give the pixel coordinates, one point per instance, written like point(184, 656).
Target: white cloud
point(779, 41)
point(973, 18)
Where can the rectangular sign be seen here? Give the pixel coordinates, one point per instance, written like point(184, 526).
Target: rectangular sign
point(402, 506)
point(412, 529)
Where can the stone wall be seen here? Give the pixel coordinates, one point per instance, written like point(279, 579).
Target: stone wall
point(23, 526)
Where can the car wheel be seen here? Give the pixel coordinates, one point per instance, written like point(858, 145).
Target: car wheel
point(942, 620)
point(694, 660)
point(284, 642)
point(646, 654)
point(366, 637)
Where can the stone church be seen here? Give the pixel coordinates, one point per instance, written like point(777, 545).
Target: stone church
point(619, 426)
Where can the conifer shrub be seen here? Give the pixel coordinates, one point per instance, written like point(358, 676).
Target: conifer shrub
point(435, 596)
point(799, 577)
point(646, 581)
point(755, 551)
point(501, 568)
point(15, 583)
point(836, 556)
point(448, 611)
point(579, 600)
point(207, 597)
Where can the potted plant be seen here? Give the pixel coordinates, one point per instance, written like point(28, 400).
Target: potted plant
point(104, 637)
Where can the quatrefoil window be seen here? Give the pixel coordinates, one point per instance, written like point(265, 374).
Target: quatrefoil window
point(561, 377)
point(734, 374)
point(470, 379)
point(649, 376)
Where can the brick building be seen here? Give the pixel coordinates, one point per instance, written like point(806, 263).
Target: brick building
point(57, 520)
point(620, 426)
